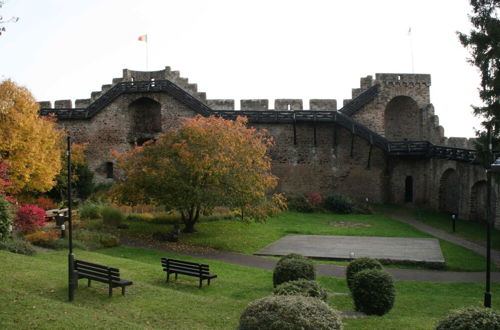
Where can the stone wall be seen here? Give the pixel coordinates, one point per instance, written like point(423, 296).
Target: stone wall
point(333, 161)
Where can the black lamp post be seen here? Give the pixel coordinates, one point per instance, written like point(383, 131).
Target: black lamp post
point(493, 168)
point(71, 256)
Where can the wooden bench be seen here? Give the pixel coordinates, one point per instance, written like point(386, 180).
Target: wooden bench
point(100, 273)
point(174, 266)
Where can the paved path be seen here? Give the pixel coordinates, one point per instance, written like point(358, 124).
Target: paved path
point(478, 248)
point(325, 270)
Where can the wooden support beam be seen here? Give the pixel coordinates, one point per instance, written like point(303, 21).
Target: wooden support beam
point(314, 131)
point(352, 146)
point(369, 156)
point(334, 135)
point(294, 131)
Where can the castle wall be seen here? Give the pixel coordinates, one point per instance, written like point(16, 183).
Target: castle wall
point(112, 128)
point(334, 161)
point(328, 166)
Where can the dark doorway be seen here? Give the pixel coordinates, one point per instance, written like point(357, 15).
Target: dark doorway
point(409, 189)
point(109, 170)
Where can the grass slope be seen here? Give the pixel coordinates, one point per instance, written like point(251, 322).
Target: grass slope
point(33, 294)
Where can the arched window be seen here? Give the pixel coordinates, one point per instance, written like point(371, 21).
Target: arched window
point(402, 119)
point(146, 116)
point(449, 191)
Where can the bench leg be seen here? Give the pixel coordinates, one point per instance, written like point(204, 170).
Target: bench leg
point(123, 290)
point(88, 284)
point(168, 276)
point(208, 282)
point(110, 291)
point(176, 275)
point(199, 286)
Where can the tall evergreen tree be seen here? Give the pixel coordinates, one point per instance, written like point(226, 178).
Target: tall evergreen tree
point(483, 42)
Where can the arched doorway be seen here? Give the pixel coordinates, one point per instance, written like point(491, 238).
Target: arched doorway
point(146, 119)
point(478, 201)
point(402, 119)
point(449, 191)
point(409, 189)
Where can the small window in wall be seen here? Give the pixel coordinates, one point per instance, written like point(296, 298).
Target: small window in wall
point(109, 170)
point(409, 189)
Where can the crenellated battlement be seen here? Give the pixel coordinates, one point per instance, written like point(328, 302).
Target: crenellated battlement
point(404, 79)
point(131, 76)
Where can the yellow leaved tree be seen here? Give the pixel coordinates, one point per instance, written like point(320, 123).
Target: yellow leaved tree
point(30, 144)
point(207, 162)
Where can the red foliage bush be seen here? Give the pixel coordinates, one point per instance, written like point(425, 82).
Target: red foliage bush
point(29, 218)
point(45, 203)
point(315, 199)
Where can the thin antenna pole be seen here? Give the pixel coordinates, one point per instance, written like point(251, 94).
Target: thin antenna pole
point(411, 51)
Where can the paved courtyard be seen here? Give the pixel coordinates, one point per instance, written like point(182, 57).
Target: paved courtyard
point(348, 247)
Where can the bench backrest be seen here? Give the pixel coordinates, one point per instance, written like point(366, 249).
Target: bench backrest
point(167, 264)
point(104, 273)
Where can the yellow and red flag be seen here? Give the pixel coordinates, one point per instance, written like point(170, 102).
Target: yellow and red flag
point(144, 37)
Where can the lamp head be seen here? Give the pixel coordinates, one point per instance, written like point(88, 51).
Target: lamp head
point(495, 166)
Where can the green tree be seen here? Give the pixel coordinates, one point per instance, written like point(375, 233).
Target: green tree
point(207, 162)
point(483, 42)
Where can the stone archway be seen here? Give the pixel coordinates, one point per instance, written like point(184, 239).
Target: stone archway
point(478, 201)
point(449, 191)
point(146, 119)
point(402, 119)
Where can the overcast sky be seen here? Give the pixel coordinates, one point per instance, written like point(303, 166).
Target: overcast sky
point(233, 49)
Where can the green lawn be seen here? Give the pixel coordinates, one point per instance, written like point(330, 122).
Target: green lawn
point(470, 230)
point(247, 238)
point(33, 294)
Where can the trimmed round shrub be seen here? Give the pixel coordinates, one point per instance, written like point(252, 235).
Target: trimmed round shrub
point(289, 312)
point(471, 318)
point(373, 291)
point(292, 269)
point(29, 218)
point(306, 288)
point(112, 216)
point(340, 204)
point(5, 219)
point(358, 265)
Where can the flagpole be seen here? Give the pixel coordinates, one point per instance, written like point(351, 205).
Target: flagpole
point(147, 56)
point(411, 51)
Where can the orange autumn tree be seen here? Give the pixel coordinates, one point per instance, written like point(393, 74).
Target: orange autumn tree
point(29, 144)
point(207, 162)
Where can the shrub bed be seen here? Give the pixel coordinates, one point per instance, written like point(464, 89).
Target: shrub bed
point(90, 210)
point(471, 318)
point(373, 291)
point(5, 219)
point(17, 244)
point(299, 203)
point(112, 216)
point(338, 203)
point(289, 312)
point(306, 288)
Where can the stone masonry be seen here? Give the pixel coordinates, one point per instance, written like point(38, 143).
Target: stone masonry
point(349, 150)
